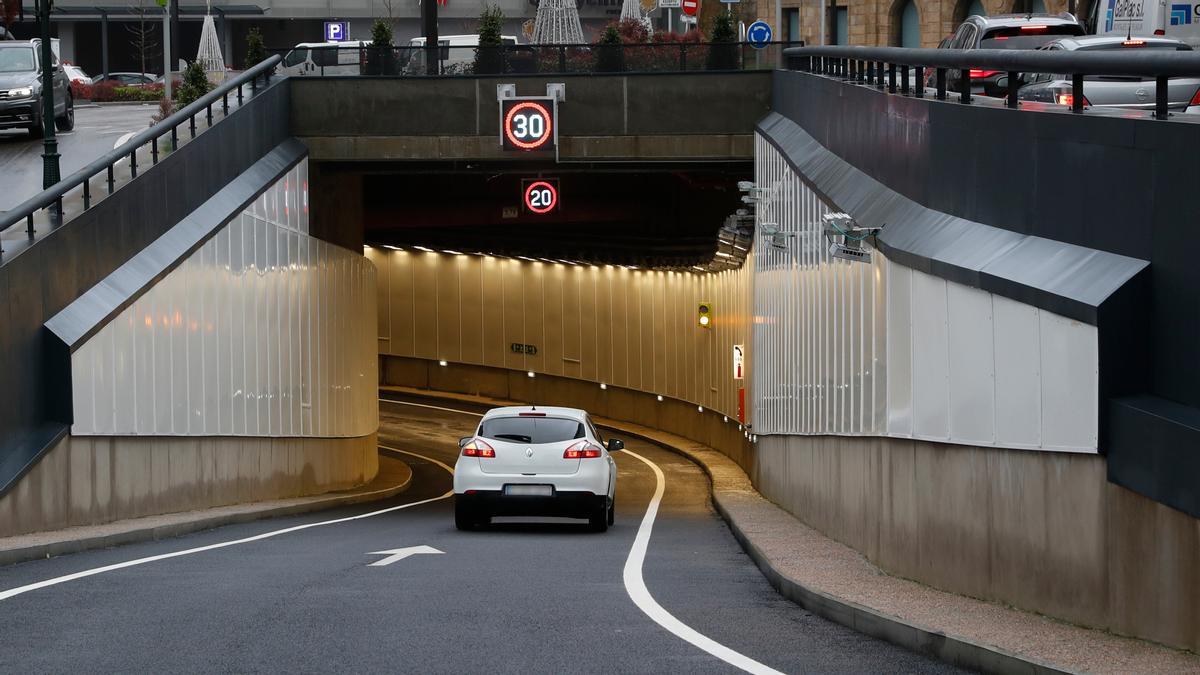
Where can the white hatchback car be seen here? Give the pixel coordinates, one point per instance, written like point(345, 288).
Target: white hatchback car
point(531, 461)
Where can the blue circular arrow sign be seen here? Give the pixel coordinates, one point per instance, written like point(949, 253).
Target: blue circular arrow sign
point(758, 34)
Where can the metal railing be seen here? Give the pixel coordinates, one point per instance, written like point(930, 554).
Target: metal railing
point(655, 57)
point(889, 68)
point(52, 198)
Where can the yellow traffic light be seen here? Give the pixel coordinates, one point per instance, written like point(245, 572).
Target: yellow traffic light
point(704, 315)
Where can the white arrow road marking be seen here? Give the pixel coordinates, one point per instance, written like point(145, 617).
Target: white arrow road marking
point(635, 584)
point(396, 555)
point(122, 139)
point(13, 592)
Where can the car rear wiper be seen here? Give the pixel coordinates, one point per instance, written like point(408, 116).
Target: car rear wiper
point(514, 437)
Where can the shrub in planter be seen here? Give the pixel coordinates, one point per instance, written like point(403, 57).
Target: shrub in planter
point(723, 55)
point(195, 84)
point(610, 56)
point(489, 55)
point(381, 58)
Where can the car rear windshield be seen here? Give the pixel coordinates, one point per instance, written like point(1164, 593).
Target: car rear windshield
point(1020, 37)
point(531, 430)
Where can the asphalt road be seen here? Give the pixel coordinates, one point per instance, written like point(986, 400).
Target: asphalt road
point(522, 596)
point(97, 130)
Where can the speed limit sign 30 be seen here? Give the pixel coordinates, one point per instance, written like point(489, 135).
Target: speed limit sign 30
point(528, 124)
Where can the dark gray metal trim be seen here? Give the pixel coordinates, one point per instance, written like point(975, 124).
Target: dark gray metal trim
point(81, 319)
point(1063, 278)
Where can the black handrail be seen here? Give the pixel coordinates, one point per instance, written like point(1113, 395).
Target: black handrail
point(53, 196)
point(869, 64)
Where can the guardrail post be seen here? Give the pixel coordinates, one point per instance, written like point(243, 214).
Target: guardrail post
point(239, 94)
point(1160, 98)
point(225, 103)
point(87, 194)
point(562, 58)
point(208, 114)
point(1014, 83)
point(964, 77)
point(870, 75)
point(154, 150)
point(919, 82)
point(111, 182)
point(904, 80)
point(682, 56)
point(891, 78)
point(879, 75)
point(854, 70)
point(1077, 93)
point(133, 163)
point(29, 224)
point(192, 125)
point(939, 75)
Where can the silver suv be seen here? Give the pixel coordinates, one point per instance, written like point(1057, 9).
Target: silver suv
point(1004, 31)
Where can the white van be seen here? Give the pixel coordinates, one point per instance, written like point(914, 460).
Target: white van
point(1146, 18)
point(324, 58)
point(457, 51)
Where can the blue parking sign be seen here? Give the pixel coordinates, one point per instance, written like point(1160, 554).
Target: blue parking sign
point(759, 34)
point(337, 31)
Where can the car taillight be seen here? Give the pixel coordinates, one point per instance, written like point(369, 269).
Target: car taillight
point(1033, 29)
point(1133, 43)
point(477, 448)
point(1069, 100)
point(582, 450)
point(1195, 98)
point(976, 73)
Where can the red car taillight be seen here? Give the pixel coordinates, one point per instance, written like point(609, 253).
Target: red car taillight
point(477, 448)
point(582, 450)
point(1195, 98)
point(1069, 100)
point(976, 73)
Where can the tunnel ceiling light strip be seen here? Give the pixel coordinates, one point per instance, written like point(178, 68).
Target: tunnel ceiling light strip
point(427, 250)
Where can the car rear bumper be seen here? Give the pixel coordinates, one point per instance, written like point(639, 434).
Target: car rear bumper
point(561, 504)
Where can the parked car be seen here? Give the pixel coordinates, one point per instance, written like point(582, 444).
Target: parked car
point(21, 88)
point(1004, 31)
point(127, 79)
point(1112, 91)
point(535, 461)
point(76, 75)
point(324, 58)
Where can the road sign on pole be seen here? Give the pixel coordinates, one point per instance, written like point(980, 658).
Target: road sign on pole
point(759, 34)
point(528, 124)
point(540, 196)
point(337, 31)
point(691, 7)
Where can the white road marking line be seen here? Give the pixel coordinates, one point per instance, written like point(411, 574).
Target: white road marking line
point(635, 585)
point(13, 592)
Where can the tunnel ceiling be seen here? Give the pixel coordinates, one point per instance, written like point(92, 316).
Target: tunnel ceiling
point(658, 216)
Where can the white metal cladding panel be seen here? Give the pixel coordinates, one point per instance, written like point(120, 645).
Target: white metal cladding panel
point(1070, 383)
point(845, 348)
point(263, 331)
point(1018, 374)
point(820, 327)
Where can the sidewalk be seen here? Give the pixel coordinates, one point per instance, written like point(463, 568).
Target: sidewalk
point(836, 582)
point(394, 478)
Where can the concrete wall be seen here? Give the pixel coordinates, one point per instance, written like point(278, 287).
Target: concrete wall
point(92, 480)
point(1037, 530)
point(691, 116)
point(626, 328)
point(682, 418)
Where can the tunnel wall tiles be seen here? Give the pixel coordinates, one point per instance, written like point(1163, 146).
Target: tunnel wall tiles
point(626, 328)
point(262, 331)
point(881, 349)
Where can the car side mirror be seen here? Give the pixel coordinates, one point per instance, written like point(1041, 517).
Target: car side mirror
point(464, 440)
point(615, 444)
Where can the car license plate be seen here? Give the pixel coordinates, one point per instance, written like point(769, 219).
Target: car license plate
point(529, 490)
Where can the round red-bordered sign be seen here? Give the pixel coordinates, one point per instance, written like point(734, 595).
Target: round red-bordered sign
point(541, 197)
point(533, 108)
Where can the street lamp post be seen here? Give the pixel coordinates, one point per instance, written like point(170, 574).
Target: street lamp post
point(50, 168)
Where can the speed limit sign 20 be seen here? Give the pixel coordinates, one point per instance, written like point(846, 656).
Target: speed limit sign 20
point(528, 124)
point(540, 195)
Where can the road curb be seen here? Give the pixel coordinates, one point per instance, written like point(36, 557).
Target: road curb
point(203, 522)
point(956, 650)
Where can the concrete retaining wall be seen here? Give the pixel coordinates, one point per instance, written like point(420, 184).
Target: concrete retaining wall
point(1037, 530)
point(92, 480)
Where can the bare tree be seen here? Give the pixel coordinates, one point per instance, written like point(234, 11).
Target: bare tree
point(143, 34)
point(389, 8)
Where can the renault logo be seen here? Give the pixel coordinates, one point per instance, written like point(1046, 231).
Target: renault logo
point(529, 453)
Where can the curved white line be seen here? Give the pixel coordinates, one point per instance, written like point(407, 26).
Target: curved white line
point(13, 592)
point(431, 407)
point(635, 585)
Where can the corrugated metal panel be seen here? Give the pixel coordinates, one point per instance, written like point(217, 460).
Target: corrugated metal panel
point(254, 332)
